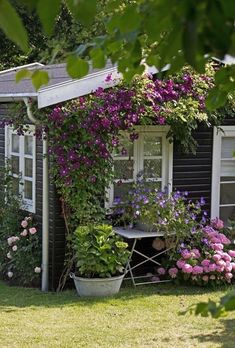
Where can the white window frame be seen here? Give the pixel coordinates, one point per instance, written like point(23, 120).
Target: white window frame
point(226, 131)
point(28, 204)
point(167, 159)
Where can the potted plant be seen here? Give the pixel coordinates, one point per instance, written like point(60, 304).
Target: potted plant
point(101, 257)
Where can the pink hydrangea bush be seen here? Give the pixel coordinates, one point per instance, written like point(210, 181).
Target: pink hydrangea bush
point(205, 258)
point(23, 254)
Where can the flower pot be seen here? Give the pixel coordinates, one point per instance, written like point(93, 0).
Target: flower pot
point(98, 287)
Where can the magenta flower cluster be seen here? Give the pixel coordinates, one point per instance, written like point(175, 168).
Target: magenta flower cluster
point(206, 258)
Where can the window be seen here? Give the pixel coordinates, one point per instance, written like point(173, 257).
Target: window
point(150, 153)
point(223, 174)
point(21, 152)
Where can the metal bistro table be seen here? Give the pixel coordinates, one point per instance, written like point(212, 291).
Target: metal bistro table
point(138, 235)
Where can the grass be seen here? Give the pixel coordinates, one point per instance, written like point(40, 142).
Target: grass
point(137, 317)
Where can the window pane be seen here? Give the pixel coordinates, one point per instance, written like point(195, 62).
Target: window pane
point(120, 190)
point(227, 213)
point(227, 193)
point(28, 167)
point(15, 164)
point(152, 145)
point(153, 168)
point(15, 143)
point(227, 168)
point(123, 169)
point(227, 178)
point(125, 148)
point(228, 147)
point(28, 189)
point(28, 145)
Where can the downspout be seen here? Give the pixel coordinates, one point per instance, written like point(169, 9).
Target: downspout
point(45, 203)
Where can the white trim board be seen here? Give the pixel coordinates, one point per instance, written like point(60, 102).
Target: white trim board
point(226, 131)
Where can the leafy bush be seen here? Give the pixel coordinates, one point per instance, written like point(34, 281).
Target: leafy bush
point(205, 257)
point(20, 246)
point(99, 251)
point(24, 254)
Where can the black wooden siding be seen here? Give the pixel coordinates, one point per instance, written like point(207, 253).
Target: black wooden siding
point(192, 173)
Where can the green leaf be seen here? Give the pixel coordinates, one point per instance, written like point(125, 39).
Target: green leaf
point(39, 79)
point(77, 67)
point(98, 58)
point(21, 74)
point(83, 10)
point(202, 309)
point(12, 25)
point(215, 99)
point(48, 11)
point(228, 7)
point(126, 21)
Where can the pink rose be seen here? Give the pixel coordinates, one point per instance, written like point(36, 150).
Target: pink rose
point(233, 265)
point(206, 269)
point(216, 257)
point(24, 233)
point(228, 267)
point(221, 263)
point(187, 268)
point(14, 248)
point(231, 253)
point(205, 278)
point(32, 230)
point(220, 269)
point(24, 223)
point(205, 263)
point(161, 271)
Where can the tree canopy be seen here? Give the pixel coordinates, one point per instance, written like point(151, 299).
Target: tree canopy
point(135, 33)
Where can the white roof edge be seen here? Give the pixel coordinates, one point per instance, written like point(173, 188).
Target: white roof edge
point(16, 96)
point(21, 67)
point(76, 88)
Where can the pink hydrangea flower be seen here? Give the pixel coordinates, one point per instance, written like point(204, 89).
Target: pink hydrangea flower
point(216, 257)
point(231, 253)
point(205, 278)
point(217, 246)
point(195, 253)
point(187, 268)
point(228, 276)
point(173, 272)
point(228, 267)
point(217, 223)
point(220, 269)
point(197, 270)
point(32, 230)
point(186, 254)
point(233, 265)
point(180, 263)
point(212, 267)
point(224, 239)
point(161, 271)
point(205, 263)
point(227, 257)
point(24, 223)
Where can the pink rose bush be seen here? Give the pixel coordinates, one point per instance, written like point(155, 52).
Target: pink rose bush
point(204, 258)
point(24, 254)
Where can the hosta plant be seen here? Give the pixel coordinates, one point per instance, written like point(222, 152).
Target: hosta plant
point(100, 253)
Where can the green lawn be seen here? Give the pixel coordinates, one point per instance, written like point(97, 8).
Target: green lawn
point(141, 317)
